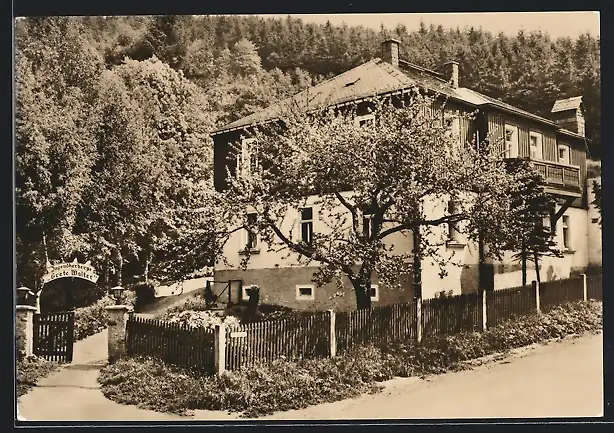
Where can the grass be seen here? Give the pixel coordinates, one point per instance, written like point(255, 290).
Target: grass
point(30, 370)
point(283, 385)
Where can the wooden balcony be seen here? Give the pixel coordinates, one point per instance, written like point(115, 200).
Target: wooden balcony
point(560, 179)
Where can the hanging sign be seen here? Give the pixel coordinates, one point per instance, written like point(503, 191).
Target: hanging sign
point(72, 270)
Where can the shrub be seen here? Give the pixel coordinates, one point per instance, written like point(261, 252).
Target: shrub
point(93, 319)
point(197, 319)
point(283, 385)
point(30, 370)
point(145, 293)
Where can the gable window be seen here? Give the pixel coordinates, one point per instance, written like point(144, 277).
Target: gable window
point(247, 162)
point(366, 120)
point(251, 237)
point(374, 292)
point(566, 234)
point(305, 292)
point(307, 225)
point(563, 153)
point(367, 225)
point(535, 141)
point(511, 141)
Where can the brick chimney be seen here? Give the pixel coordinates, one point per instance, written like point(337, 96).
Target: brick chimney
point(450, 73)
point(390, 51)
point(569, 114)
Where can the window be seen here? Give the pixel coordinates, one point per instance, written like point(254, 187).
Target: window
point(307, 225)
point(566, 235)
point(544, 223)
point(535, 140)
point(247, 162)
point(511, 141)
point(305, 292)
point(374, 292)
point(367, 119)
point(453, 233)
point(367, 225)
point(564, 153)
point(251, 237)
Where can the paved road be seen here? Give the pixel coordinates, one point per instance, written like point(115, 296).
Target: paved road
point(563, 379)
point(558, 380)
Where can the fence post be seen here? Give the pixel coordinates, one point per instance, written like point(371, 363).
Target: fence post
point(116, 332)
point(219, 348)
point(419, 319)
point(484, 316)
point(536, 288)
point(333, 336)
point(24, 329)
point(584, 288)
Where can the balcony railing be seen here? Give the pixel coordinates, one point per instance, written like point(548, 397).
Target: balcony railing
point(563, 178)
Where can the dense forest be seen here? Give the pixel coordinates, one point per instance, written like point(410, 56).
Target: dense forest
point(113, 115)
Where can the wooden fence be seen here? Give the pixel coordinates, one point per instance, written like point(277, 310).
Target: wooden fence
point(323, 334)
point(380, 324)
point(594, 287)
point(54, 335)
point(506, 304)
point(557, 292)
point(450, 315)
point(174, 343)
point(300, 337)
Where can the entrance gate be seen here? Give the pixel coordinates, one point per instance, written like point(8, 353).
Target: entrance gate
point(53, 335)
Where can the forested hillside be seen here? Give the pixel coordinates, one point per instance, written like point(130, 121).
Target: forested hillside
point(113, 114)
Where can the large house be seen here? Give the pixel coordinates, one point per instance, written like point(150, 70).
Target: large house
point(557, 147)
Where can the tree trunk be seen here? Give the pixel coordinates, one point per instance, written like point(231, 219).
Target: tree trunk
point(363, 300)
point(45, 249)
point(120, 267)
point(147, 261)
point(536, 260)
point(417, 266)
point(523, 260)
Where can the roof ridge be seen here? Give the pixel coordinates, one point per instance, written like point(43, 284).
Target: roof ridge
point(421, 68)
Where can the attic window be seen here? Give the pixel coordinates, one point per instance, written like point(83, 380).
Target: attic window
point(351, 83)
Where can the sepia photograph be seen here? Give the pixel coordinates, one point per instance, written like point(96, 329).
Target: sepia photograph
point(344, 217)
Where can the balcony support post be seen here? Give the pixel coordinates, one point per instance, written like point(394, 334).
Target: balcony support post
point(556, 216)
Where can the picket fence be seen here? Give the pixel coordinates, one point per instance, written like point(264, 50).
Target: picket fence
point(325, 334)
point(172, 342)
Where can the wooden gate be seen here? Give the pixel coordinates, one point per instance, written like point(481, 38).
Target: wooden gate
point(53, 335)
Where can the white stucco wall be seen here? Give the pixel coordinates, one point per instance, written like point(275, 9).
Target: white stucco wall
point(593, 228)
point(552, 268)
point(290, 225)
point(462, 258)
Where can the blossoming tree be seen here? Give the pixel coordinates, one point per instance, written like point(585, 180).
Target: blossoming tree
point(386, 170)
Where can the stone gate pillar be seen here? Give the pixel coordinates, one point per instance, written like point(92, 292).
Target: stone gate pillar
point(24, 329)
point(118, 317)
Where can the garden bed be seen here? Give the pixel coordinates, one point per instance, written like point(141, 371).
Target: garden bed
point(284, 385)
point(30, 370)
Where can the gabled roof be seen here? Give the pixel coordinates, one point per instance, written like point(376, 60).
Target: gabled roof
point(377, 77)
point(372, 78)
point(567, 104)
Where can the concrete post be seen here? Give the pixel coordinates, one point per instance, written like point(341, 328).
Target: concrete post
point(219, 348)
point(584, 288)
point(419, 319)
point(332, 334)
point(24, 329)
point(484, 315)
point(536, 288)
point(118, 317)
